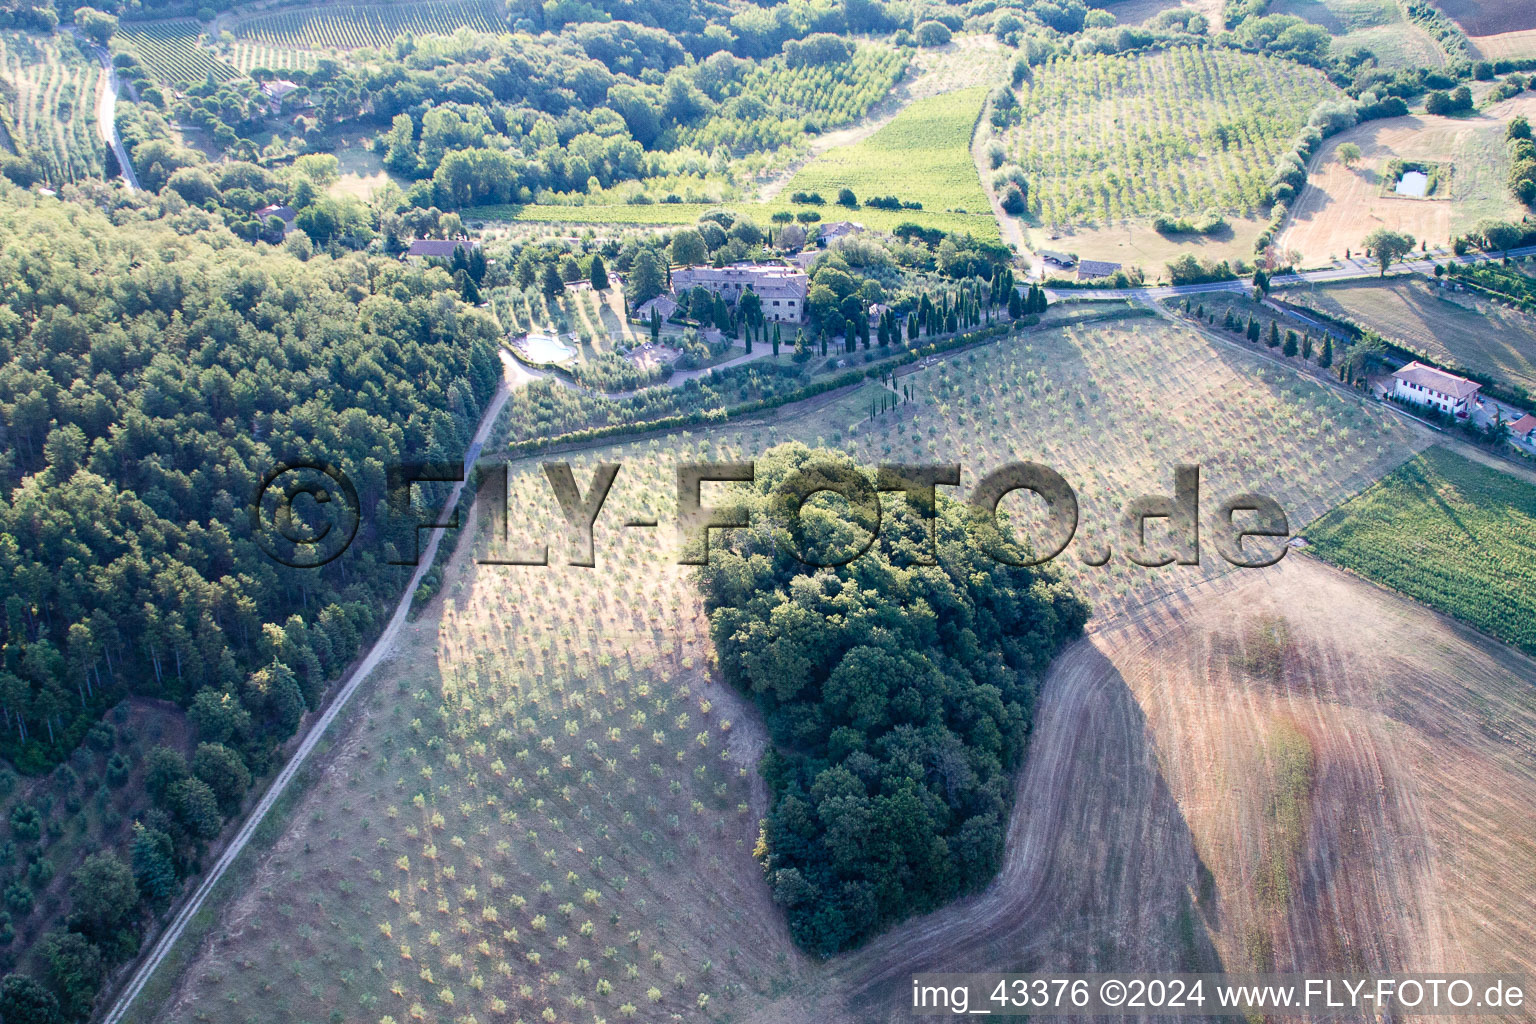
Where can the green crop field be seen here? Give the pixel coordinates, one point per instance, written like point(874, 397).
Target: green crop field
point(1457, 535)
point(50, 88)
point(980, 224)
point(923, 154)
point(356, 27)
point(1106, 138)
point(171, 53)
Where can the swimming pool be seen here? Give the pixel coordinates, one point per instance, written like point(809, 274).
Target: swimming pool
point(545, 348)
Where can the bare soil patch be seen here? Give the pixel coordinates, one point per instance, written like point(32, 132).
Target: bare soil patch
point(1135, 243)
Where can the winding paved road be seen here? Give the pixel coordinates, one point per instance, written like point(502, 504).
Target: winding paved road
point(106, 113)
point(317, 730)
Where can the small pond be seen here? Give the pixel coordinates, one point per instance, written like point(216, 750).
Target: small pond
point(1413, 183)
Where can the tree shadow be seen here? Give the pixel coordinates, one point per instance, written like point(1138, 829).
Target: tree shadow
point(1100, 873)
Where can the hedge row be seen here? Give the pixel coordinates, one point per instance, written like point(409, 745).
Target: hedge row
point(708, 416)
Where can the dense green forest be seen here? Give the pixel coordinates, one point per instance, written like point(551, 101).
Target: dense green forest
point(898, 696)
point(152, 369)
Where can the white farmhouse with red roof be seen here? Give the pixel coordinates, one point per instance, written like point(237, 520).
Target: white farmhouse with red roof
point(1425, 385)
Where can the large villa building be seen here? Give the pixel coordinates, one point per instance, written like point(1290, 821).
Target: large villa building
point(1425, 385)
point(782, 288)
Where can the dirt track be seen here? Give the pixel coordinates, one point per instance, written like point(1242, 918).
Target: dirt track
point(1144, 823)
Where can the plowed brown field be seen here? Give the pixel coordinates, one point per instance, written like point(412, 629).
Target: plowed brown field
point(1296, 772)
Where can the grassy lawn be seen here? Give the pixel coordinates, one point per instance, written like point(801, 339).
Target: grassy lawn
point(1456, 535)
point(1456, 330)
point(1376, 25)
point(982, 225)
point(1480, 187)
point(1401, 45)
point(923, 154)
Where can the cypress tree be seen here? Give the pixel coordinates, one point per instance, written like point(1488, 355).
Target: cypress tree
point(1253, 329)
point(775, 339)
point(1290, 343)
point(1306, 346)
point(1274, 334)
point(1325, 360)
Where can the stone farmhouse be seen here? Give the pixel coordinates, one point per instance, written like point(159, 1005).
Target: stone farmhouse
point(439, 248)
point(782, 288)
point(1427, 386)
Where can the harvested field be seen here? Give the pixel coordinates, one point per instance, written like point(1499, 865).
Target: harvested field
point(1136, 244)
point(1376, 25)
point(1339, 206)
point(1248, 779)
point(1506, 45)
point(1454, 329)
point(1490, 17)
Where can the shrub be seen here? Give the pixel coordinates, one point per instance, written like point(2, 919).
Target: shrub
point(931, 33)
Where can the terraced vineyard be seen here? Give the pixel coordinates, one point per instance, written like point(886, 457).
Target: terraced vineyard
point(825, 96)
point(51, 93)
point(245, 56)
point(836, 93)
point(169, 50)
point(357, 27)
point(1106, 138)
